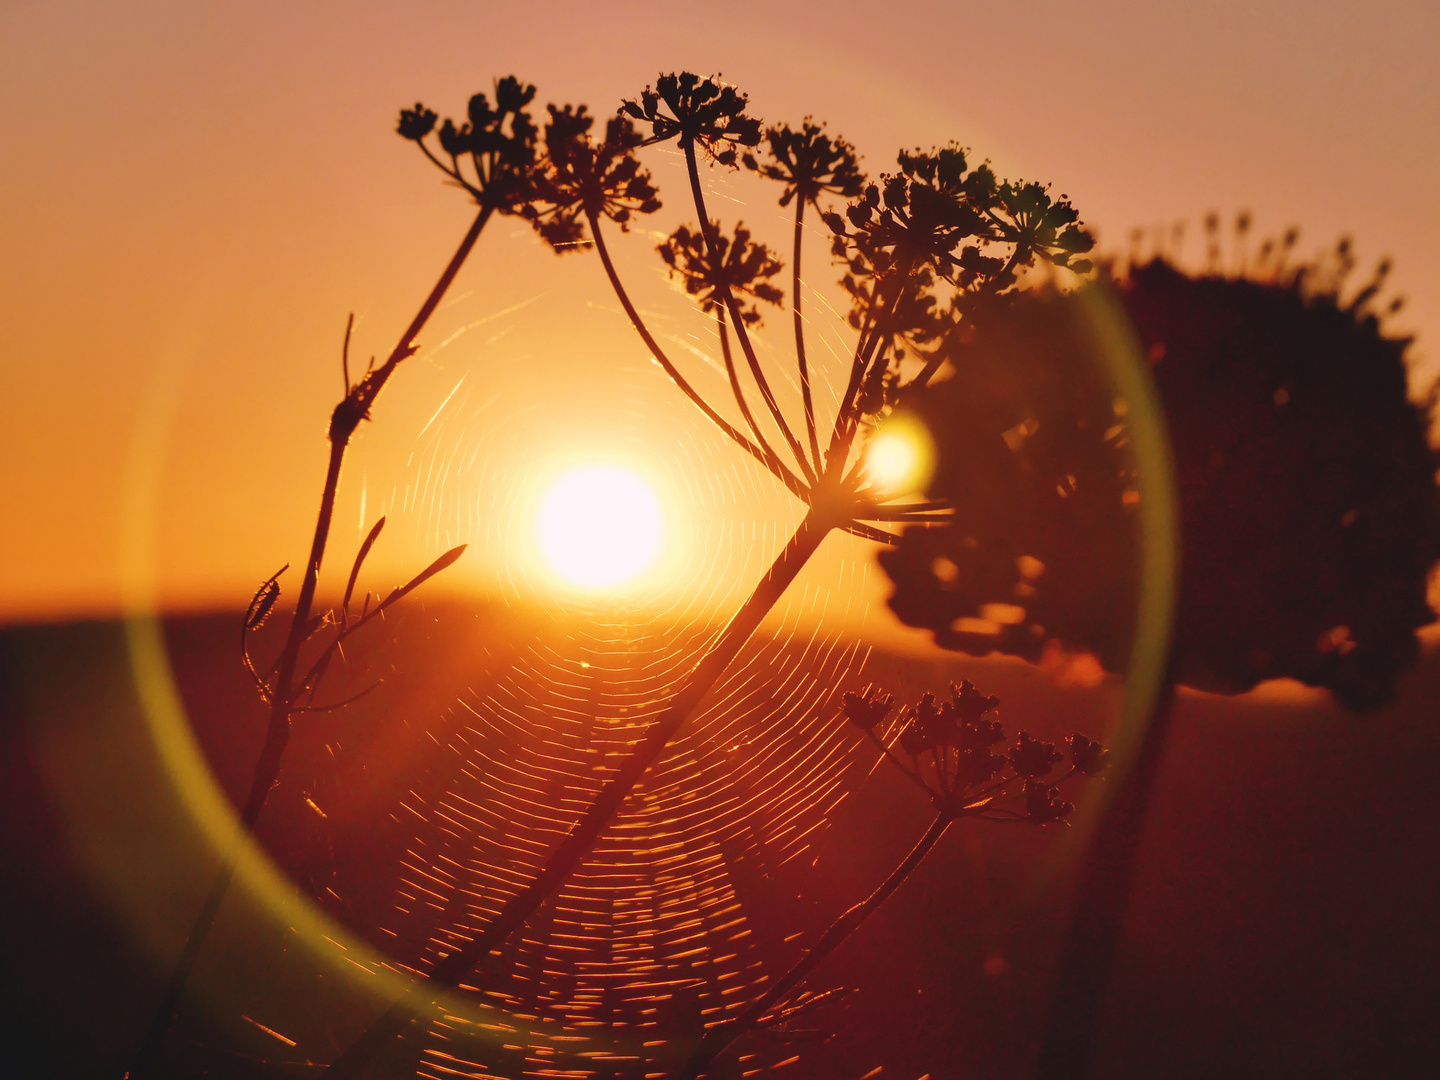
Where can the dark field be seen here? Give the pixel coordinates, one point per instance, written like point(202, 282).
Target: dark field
point(1285, 924)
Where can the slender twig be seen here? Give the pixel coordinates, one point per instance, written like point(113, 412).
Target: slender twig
point(346, 631)
point(308, 708)
point(771, 463)
point(736, 390)
point(911, 773)
point(369, 542)
point(345, 352)
point(348, 414)
point(805, 397)
point(717, 1038)
point(870, 532)
point(847, 417)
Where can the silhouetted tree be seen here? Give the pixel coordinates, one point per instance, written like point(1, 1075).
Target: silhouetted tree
point(1308, 506)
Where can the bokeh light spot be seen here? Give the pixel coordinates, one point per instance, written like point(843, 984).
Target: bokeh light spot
point(900, 457)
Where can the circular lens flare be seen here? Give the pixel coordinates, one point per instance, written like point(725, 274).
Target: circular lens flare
point(900, 457)
point(599, 526)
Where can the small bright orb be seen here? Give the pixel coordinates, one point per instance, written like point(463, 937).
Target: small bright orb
point(900, 457)
point(599, 526)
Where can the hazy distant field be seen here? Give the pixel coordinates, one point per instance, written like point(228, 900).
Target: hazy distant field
point(1285, 922)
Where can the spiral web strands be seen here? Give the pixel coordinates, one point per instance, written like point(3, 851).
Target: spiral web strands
point(650, 936)
point(656, 935)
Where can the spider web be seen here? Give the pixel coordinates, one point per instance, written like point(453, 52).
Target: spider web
point(660, 931)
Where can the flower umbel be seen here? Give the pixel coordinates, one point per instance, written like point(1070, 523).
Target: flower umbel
point(744, 268)
point(696, 111)
point(582, 179)
point(492, 153)
point(809, 162)
point(949, 745)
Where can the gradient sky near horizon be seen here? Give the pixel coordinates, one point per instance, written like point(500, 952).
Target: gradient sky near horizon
point(198, 194)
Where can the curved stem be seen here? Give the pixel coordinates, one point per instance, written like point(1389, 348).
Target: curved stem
point(800, 334)
point(722, 1035)
point(712, 243)
point(890, 757)
point(353, 408)
point(781, 473)
point(583, 834)
point(932, 365)
point(1102, 897)
point(847, 421)
point(870, 532)
point(735, 387)
point(847, 417)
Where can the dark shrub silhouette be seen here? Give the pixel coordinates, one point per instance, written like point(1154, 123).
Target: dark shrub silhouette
point(1309, 520)
point(1309, 513)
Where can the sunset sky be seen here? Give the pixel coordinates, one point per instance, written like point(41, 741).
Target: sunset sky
point(198, 194)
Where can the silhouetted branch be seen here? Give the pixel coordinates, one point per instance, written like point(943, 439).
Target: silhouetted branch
point(771, 463)
point(727, 296)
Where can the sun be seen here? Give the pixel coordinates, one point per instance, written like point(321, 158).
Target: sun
point(600, 526)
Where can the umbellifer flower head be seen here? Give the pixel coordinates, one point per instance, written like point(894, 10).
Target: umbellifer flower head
point(580, 179)
point(1043, 804)
point(744, 268)
point(867, 708)
point(697, 111)
point(809, 162)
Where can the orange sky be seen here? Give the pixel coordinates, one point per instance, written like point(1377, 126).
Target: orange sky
point(198, 194)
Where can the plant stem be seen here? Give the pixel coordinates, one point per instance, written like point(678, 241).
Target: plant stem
point(1107, 878)
point(760, 454)
point(847, 417)
point(722, 1035)
point(583, 834)
point(735, 388)
point(353, 408)
point(800, 333)
point(712, 242)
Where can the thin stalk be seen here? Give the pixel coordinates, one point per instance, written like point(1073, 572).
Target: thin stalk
point(846, 418)
point(735, 388)
point(353, 408)
point(712, 242)
point(889, 756)
point(870, 532)
point(1102, 897)
point(722, 1035)
point(932, 365)
point(800, 333)
point(583, 834)
point(770, 461)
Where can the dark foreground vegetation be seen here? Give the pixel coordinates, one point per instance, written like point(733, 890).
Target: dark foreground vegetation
point(1282, 923)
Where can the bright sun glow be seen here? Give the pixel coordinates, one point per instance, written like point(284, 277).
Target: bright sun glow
point(600, 526)
point(900, 457)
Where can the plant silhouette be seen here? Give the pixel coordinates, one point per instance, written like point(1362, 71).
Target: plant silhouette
point(492, 156)
point(934, 235)
point(1309, 512)
point(948, 745)
point(1309, 515)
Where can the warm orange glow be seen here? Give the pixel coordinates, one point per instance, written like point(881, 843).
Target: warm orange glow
point(900, 456)
point(172, 345)
point(600, 526)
